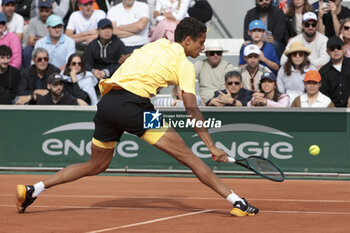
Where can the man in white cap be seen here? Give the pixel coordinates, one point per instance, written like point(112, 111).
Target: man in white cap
point(252, 71)
point(211, 71)
point(313, 40)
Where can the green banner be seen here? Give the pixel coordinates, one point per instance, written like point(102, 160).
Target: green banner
point(57, 137)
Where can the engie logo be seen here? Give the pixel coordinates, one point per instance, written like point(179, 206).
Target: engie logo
point(151, 120)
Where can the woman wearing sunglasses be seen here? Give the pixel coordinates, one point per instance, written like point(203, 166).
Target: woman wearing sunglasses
point(268, 95)
point(291, 75)
point(345, 35)
point(81, 82)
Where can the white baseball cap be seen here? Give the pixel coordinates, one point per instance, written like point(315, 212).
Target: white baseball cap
point(309, 16)
point(251, 49)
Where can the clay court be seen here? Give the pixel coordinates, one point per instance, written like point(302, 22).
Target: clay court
point(168, 204)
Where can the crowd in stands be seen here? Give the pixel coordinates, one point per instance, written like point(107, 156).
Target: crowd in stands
point(56, 51)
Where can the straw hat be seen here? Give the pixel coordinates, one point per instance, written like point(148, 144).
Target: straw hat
point(297, 46)
point(214, 46)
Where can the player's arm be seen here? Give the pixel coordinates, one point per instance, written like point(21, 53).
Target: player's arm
point(194, 113)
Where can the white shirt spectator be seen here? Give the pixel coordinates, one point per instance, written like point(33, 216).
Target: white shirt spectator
point(78, 23)
point(322, 101)
point(121, 16)
point(16, 24)
point(178, 12)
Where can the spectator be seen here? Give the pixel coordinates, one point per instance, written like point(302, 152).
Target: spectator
point(290, 77)
point(167, 15)
point(15, 22)
point(102, 54)
point(33, 82)
point(201, 10)
point(9, 76)
point(82, 25)
point(282, 4)
point(313, 98)
point(345, 35)
point(252, 71)
point(274, 21)
point(330, 15)
point(59, 46)
point(59, 7)
point(313, 40)
point(336, 74)
point(234, 94)
point(175, 99)
point(75, 72)
point(130, 21)
point(268, 56)
point(294, 17)
point(56, 95)
point(268, 94)
point(37, 30)
point(10, 40)
point(211, 71)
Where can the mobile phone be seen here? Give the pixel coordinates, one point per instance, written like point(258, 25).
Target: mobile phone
point(325, 3)
point(268, 33)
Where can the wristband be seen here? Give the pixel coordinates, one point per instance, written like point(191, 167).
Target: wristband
point(234, 102)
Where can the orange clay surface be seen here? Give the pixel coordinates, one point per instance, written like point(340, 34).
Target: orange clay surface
point(176, 205)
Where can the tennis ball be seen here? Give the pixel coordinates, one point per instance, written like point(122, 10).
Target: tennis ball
point(314, 150)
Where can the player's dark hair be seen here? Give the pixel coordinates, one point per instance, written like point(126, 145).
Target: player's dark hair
point(189, 26)
point(233, 73)
point(5, 51)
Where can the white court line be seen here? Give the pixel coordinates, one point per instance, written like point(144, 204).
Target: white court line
point(186, 198)
point(150, 221)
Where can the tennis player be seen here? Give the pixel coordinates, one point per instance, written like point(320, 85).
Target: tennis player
point(126, 95)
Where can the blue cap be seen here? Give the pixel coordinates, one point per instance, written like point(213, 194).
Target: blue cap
point(54, 20)
point(4, 2)
point(45, 3)
point(103, 23)
point(269, 75)
point(3, 17)
point(256, 24)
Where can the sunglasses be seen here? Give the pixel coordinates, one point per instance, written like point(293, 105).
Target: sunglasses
point(314, 24)
point(88, 4)
point(2, 23)
point(332, 48)
point(212, 53)
point(346, 28)
point(260, 1)
point(298, 54)
point(75, 63)
point(41, 59)
point(235, 82)
point(311, 83)
point(253, 56)
point(58, 26)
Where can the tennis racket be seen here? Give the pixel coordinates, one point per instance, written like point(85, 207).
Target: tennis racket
point(261, 166)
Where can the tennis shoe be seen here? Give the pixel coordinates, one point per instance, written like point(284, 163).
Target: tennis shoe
point(243, 208)
point(24, 197)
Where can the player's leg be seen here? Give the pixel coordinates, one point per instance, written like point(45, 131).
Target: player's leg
point(171, 143)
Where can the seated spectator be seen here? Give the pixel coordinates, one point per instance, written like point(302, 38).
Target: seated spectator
point(15, 22)
point(10, 40)
point(294, 18)
point(167, 15)
point(59, 46)
point(175, 99)
point(33, 81)
point(252, 71)
point(345, 35)
point(9, 76)
point(37, 30)
point(59, 7)
point(75, 72)
point(336, 73)
point(211, 71)
point(102, 54)
point(234, 94)
point(291, 75)
point(82, 25)
point(130, 21)
point(312, 40)
point(268, 56)
point(330, 15)
point(274, 21)
point(56, 95)
point(313, 98)
point(268, 94)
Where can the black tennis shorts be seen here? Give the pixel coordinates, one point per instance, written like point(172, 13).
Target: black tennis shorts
point(119, 111)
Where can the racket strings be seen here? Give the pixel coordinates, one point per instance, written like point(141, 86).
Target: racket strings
point(266, 168)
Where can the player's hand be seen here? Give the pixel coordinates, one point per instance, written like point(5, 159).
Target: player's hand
point(218, 155)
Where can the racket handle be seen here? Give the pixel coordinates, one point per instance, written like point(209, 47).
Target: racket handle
point(230, 159)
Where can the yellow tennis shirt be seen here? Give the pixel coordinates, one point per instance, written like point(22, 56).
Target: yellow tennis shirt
point(155, 65)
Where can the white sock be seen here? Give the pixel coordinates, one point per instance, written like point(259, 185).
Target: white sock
point(233, 198)
point(38, 188)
